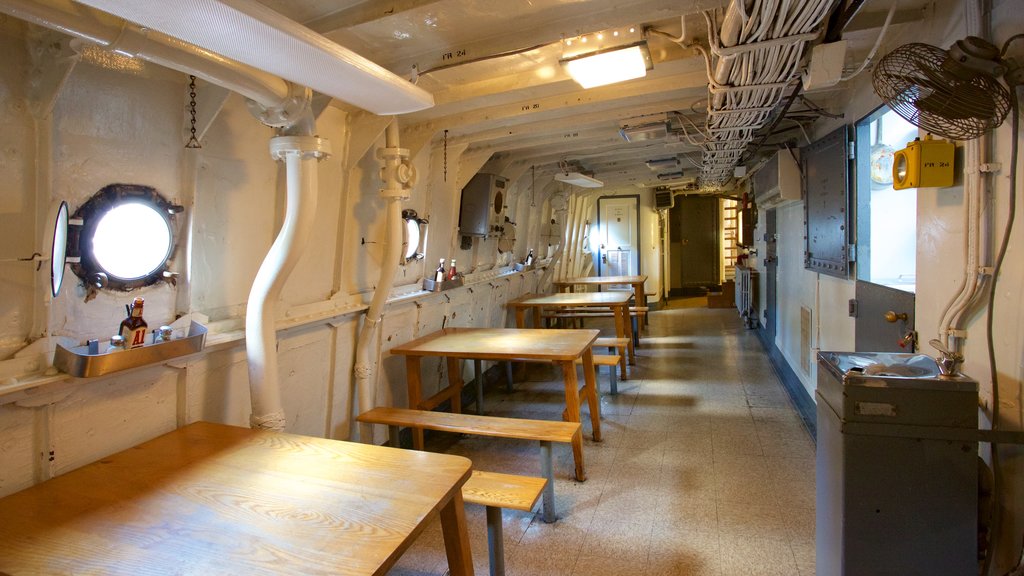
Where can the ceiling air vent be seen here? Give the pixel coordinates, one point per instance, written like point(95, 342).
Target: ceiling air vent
point(663, 163)
point(663, 199)
point(670, 175)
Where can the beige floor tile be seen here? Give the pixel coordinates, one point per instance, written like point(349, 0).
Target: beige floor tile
point(747, 556)
point(630, 541)
point(684, 553)
point(756, 520)
point(593, 565)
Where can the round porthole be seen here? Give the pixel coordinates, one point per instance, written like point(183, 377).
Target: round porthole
point(414, 235)
point(125, 239)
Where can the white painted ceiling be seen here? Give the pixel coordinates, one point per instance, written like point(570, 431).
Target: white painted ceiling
point(523, 106)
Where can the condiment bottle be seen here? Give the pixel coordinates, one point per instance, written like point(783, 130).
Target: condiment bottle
point(451, 270)
point(162, 334)
point(439, 273)
point(116, 344)
point(133, 328)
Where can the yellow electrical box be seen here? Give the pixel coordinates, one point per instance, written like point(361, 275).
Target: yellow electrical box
point(923, 164)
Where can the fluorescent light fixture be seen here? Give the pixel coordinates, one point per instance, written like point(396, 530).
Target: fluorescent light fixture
point(251, 33)
point(609, 65)
point(577, 179)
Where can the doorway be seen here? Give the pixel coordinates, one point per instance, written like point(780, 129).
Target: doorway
point(886, 238)
point(694, 245)
point(618, 221)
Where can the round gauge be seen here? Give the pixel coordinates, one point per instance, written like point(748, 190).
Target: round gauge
point(499, 202)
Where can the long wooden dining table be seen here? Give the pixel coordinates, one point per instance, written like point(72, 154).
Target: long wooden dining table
point(617, 302)
point(560, 347)
point(636, 281)
point(215, 499)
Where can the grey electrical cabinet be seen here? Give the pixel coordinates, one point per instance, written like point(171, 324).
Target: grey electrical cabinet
point(897, 494)
point(483, 193)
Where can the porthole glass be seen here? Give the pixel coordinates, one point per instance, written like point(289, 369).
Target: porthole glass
point(125, 238)
point(131, 241)
point(414, 235)
point(58, 250)
point(412, 231)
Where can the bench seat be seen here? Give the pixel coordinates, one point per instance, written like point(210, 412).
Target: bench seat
point(543, 431)
point(497, 491)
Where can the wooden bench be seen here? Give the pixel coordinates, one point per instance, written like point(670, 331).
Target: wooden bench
point(544, 431)
point(611, 361)
point(497, 491)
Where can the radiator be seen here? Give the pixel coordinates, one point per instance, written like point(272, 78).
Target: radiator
point(746, 295)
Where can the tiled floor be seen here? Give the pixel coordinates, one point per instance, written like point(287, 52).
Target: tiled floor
point(704, 468)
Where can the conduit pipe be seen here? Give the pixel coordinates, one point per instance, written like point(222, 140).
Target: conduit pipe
point(399, 176)
point(115, 34)
point(300, 154)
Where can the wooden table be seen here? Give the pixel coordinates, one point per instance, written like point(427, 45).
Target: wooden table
point(636, 281)
point(562, 347)
point(617, 302)
point(214, 499)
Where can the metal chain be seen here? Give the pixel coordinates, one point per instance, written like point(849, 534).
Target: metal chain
point(445, 155)
point(193, 142)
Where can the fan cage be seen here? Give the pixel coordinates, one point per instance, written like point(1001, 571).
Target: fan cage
point(919, 83)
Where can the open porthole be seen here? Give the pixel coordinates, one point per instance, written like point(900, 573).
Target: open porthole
point(122, 238)
point(414, 235)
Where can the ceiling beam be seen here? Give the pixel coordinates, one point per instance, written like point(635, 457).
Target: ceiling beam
point(368, 11)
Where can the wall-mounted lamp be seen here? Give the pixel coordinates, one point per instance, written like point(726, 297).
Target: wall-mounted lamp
point(609, 65)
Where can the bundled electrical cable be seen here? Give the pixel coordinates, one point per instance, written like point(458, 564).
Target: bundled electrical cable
point(755, 55)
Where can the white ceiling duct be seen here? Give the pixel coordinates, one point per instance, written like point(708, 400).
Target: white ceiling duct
point(577, 179)
point(256, 35)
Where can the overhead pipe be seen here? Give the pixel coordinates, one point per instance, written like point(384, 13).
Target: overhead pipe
point(399, 176)
point(112, 33)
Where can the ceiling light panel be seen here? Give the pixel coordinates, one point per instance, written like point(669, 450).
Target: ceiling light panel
point(610, 65)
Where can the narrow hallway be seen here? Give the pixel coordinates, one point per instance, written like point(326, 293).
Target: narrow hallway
point(705, 468)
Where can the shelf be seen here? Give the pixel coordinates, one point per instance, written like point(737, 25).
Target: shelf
point(435, 286)
point(79, 363)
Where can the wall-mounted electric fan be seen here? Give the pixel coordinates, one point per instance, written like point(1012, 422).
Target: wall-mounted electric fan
point(951, 93)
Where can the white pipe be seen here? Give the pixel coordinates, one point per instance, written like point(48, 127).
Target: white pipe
point(115, 34)
point(398, 178)
point(300, 154)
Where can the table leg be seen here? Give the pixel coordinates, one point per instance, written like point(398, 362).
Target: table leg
point(456, 536)
point(641, 298)
point(624, 311)
point(620, 332)
point(572, 414)
point(455, 381)
point(590, 382)
point(536, 317)
point(520, 317)
point(479, 378)
point(412, 376)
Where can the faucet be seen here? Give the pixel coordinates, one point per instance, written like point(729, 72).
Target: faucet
point(949, 361)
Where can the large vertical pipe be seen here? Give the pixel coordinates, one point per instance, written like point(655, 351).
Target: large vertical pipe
point(398, 179)
point(300, 154)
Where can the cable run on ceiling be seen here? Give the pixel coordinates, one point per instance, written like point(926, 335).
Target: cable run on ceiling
point(754, 58)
